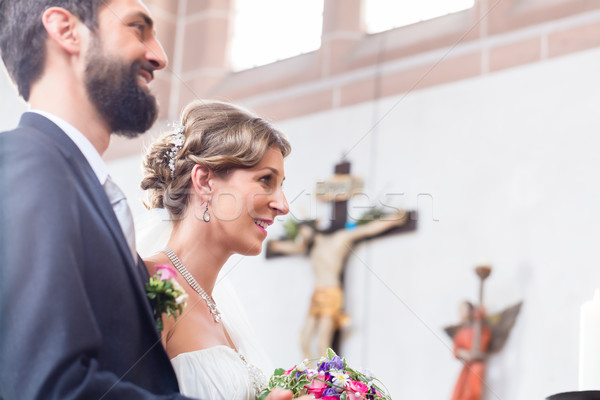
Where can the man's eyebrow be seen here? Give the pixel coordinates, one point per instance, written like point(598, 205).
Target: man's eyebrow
point(147, 20)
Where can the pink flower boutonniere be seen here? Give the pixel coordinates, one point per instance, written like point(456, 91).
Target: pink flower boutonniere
point(166, 294)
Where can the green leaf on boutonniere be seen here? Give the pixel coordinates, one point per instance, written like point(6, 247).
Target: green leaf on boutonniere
point(166, 295)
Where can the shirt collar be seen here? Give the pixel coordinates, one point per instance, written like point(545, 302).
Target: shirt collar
point(85, 146)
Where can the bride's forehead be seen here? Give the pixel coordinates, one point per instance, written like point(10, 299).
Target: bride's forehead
point(273, 159)
point(271, 163)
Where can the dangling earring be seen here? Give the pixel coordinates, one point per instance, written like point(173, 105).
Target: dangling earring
point(206, 215)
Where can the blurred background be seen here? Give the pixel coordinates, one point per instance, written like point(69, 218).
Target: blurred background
point(480, 115)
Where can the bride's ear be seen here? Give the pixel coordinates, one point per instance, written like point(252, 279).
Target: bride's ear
point(202, 181)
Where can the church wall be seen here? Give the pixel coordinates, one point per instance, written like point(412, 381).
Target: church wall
point(502, 170)
point(496, 147)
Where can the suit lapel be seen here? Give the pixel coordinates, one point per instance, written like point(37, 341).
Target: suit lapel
point(89, 182)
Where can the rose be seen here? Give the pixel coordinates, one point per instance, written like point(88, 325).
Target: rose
point(166, 272)
point(331, 381)
point(357, 390)
point(318, 386)
point(165, 294)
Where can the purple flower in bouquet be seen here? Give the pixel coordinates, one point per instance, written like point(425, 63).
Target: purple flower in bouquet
point(335, 363)
point(333, 379)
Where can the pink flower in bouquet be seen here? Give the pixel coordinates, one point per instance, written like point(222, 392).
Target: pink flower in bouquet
point(166, 272)
point(331, 380)
point(318, 386)
point(357, 390)
point(301, 368)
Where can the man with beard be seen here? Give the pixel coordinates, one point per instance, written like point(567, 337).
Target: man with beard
point(75, 322)
point(74, 319)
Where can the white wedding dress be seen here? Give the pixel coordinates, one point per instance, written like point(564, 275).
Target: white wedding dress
point(213, 373)
point(218, 372)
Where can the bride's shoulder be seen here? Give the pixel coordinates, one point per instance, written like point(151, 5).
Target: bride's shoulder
point(155, 260)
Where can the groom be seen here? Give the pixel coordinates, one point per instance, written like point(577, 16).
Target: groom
point(74, 320)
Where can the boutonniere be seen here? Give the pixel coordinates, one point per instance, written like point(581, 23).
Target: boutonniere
point(166, 294)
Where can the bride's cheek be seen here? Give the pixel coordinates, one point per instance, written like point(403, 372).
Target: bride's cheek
point(227, 206)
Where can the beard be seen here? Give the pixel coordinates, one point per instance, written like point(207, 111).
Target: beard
point(113, 88)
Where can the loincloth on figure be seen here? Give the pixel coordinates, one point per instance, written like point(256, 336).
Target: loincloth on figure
point(329, 302)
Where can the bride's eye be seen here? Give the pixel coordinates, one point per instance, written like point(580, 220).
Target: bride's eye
point(266, 179)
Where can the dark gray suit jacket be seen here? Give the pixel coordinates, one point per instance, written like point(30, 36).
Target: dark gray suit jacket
point(74, 319)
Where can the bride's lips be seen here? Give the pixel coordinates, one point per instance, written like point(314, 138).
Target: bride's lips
point(262, 224)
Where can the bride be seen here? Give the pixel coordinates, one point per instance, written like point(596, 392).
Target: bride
point(219, 177)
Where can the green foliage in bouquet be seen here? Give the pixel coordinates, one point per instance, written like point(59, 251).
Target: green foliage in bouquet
point(333, 379)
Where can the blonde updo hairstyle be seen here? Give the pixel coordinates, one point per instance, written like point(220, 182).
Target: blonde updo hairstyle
point(218, 135)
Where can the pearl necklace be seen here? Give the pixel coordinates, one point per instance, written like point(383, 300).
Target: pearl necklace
point(212, 306)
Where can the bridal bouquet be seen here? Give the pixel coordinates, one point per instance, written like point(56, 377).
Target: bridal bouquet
point(333, 379)
point(166, 294)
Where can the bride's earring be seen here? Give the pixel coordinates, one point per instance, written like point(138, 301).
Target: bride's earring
point(206, 215)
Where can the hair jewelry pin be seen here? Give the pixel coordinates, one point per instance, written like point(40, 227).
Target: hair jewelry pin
point(178, 138)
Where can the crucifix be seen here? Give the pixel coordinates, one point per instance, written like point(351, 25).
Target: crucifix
point(328, 251)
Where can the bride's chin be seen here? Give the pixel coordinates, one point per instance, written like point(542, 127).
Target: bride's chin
point(253, 251)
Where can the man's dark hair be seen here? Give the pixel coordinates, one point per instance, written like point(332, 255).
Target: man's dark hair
point(23, 37)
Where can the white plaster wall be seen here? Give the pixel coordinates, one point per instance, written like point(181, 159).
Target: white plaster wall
point(11, 106)
point(502, 169)
point(510, 161)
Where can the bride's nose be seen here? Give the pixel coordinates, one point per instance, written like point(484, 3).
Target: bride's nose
point(279, 203)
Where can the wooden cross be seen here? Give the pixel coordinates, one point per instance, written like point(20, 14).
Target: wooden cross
point(328, 250)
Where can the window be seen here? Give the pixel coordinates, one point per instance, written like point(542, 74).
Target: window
point(269, 30)
point(381, 15)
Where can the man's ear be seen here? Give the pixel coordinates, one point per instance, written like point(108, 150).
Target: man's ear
point(202, 181)
point(63, 28)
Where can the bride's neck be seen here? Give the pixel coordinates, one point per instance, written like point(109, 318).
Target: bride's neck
point(201, 259)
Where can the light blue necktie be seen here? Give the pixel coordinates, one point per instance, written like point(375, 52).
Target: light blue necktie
point(121, 208)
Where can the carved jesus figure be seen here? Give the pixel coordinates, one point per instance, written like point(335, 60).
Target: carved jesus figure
point(328, 253)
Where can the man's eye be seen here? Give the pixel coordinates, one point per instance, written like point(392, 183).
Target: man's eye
point(139, 27)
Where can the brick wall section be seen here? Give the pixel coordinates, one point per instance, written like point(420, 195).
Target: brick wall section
point(352, 66)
